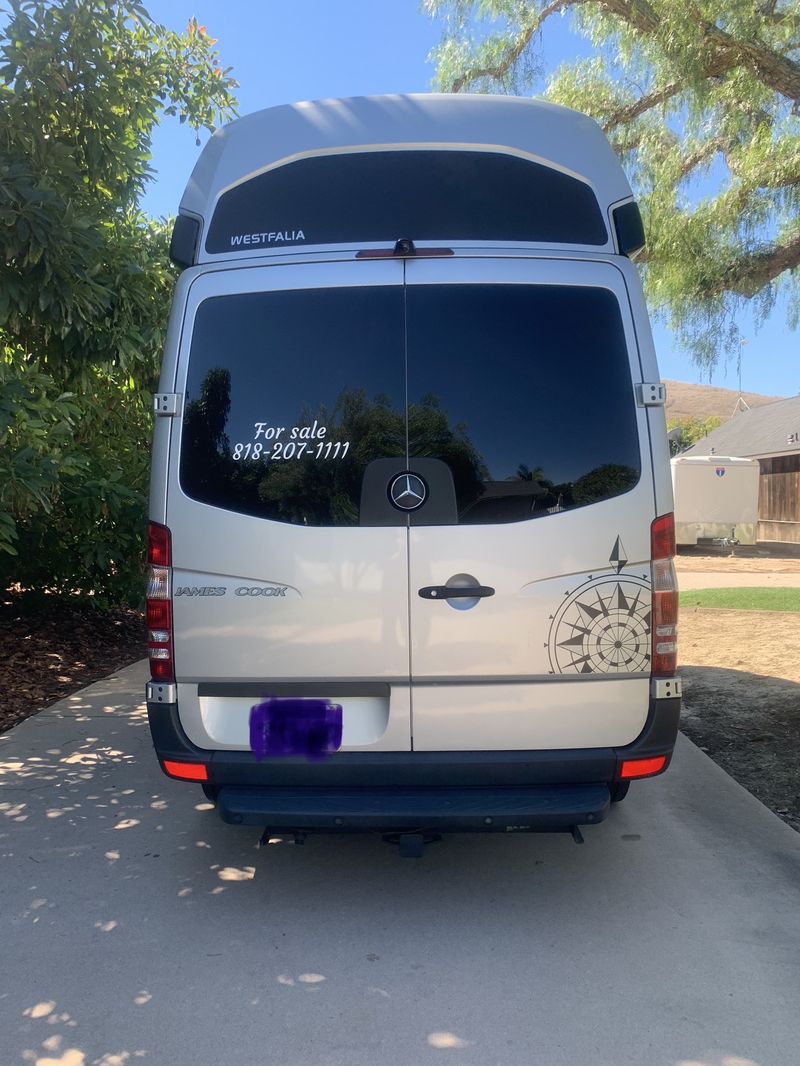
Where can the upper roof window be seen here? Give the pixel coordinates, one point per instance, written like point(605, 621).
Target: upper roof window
point(363, 197)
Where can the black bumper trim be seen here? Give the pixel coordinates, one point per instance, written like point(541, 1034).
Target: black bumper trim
point(295, 688)
point(341, 810)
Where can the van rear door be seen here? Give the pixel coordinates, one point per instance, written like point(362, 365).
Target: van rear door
point(530, 609)
point(293, 383)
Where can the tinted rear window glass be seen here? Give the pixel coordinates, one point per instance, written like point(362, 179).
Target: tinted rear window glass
point(289, 396)
point(361, 197)
point(523, 392)
point(536, 382)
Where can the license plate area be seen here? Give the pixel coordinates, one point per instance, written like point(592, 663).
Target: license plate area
point(216, 715)
point(281, 725)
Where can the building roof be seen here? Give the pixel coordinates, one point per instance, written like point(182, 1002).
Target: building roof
point(770, 430)
point(684, 459)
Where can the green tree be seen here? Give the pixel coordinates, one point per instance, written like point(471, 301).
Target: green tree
point(684, 432)
point(683, 91)
point(86, 280)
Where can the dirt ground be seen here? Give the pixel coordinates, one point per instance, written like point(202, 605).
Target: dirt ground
point(736, 564)
point(741, 674)
point(50, 648)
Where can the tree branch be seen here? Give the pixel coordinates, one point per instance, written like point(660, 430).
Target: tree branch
point(628, 112)
point(778, 71)
point(716, 144)
point(750, 273)
point(499, 70)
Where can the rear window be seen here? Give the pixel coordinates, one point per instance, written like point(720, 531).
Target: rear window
point(289, 396)
point(523, 392)
point(536, 381)
point(363, 197)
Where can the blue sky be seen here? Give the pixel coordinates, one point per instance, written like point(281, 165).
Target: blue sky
point(285, 50)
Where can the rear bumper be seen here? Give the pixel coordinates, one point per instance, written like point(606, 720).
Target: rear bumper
point(393, 810)
point(455, 791)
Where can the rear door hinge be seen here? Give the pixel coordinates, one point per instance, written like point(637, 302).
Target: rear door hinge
point(161, 692)
point(651, 394)
point(666, 688)
point(166, 404)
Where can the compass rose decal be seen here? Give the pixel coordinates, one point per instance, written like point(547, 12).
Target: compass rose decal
point(602, 627)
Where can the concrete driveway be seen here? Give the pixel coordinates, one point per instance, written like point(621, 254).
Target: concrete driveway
point(135, 927)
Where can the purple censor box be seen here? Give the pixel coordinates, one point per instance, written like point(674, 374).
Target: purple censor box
point(312, 728)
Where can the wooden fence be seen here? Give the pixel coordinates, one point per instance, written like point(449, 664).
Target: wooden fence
point(779, 499)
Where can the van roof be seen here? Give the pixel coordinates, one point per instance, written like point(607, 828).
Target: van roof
point(561, 139)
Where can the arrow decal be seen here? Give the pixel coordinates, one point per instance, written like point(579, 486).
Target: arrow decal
point(618, 557)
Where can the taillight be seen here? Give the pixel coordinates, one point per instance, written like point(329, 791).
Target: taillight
point(159, 603)
point(185, 771)
point(632, 768)
point(664, 662)
point(159, 545)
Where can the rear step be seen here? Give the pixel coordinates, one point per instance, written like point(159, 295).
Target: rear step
point(289, 811)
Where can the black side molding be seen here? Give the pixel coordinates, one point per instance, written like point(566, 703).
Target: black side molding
point(296, 689)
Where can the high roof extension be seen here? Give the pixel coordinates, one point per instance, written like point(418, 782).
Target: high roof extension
point(465, 171)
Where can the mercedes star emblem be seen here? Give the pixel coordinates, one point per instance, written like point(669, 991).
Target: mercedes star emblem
point(407, 492)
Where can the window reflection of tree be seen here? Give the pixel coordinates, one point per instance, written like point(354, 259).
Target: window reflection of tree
point(205, 448)
point(308, 490)
point(610, 479)
point(326, 492)
point(430, 434)
point(529, 494)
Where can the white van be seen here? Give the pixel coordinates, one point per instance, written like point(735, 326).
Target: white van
point(412, 536)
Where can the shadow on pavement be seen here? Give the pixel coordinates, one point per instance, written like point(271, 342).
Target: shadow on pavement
point(137, 927)
point(750, 725)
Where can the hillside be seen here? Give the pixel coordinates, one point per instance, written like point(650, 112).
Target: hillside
point(703, 401)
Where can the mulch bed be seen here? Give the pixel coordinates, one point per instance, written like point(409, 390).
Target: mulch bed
point(50, 648)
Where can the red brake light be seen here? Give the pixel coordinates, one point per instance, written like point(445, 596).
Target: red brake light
point(159, 640)
point(161, 670)
point(185, 771)
point(159, 603)
point(642, 767)
point(393, 253)
point(159, 545)
point(159, 614)
point(664, 623)
point(662, 537)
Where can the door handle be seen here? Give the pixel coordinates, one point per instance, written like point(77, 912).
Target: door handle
point(447, 592)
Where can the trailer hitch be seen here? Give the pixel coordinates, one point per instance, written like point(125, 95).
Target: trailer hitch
point(270, 834)
point(411, 845)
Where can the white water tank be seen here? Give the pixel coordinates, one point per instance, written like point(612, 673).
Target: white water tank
point(716, 496)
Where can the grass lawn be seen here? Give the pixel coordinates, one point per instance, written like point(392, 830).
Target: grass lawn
point(746, 599)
